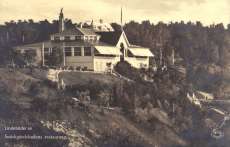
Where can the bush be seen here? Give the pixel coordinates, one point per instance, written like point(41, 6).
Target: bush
point(105, 97)
point(84, 98)
point(124, 68)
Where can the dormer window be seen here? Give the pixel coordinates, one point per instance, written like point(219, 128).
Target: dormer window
point(56, 38)
point(95, 38)
point(67, 38)
point(77, 37)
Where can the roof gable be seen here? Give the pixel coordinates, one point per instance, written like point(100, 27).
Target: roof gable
point(111, 38)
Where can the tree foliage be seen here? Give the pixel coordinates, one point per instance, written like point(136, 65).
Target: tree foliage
point(84, 98)
point(8, 55)
point(56, 57)
point(30, 56)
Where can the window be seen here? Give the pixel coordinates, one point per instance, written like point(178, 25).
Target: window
point(46, 51)
point(86, 37)
point(26, 51)
point(77, 51)
point(95, 38)
point(67, 38)
point(87, 51)
point(56, 38)
point(67, 51)
point(91, 37)
point(19, 51)
point(77, 37)
point(140, 57)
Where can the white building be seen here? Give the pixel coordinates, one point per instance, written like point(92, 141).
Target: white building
point(91, 48)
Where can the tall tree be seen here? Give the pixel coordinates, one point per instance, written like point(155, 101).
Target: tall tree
point(30, 56)
point(56, 57)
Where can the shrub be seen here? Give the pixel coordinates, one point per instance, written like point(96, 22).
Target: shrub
point(104, 97)
point(84, 98)
point(71, 68)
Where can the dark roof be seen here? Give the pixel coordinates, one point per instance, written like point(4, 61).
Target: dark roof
point(87, 31)
point(73, 31)
point(32, 45)
point(76, 31)
point(111, 38)
point(67, 43)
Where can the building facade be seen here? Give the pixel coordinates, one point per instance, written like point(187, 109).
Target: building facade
point(91, 47)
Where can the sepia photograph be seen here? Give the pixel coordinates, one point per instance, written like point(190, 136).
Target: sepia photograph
point(115, 73)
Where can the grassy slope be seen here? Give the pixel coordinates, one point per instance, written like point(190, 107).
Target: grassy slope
point(82, 78)
point(17, 83)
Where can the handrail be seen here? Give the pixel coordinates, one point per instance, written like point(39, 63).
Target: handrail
point(113, 71)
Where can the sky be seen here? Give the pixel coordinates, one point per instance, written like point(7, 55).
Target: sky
point(206, 11)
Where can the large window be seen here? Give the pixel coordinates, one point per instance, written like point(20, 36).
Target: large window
point(67, 38)
point(77, 51)
point(67, 51)
point(77, 37)
point(87, 51)
point(26, 51)
point(56, 38)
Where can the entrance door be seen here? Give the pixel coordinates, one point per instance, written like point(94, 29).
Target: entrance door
point(122, 51)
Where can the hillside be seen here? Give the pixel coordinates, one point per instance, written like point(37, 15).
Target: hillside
point(29, 100)
point(93, 128)
point(83, 78)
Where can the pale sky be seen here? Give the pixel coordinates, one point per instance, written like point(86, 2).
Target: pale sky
point(206, 11)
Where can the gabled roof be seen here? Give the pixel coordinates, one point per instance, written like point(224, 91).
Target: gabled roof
point(87, 31)
point(111, 38)
point(76, 31)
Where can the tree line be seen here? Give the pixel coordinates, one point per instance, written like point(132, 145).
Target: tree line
point(200, 49)
point(204, 51)
point(26, 32)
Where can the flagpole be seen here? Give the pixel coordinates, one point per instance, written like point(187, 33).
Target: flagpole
point(121, 20)
point(43, 45)
point(64, 53)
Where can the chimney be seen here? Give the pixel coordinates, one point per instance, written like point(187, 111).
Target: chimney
point(80, 25)
point(101, 20)
point(61, 21)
